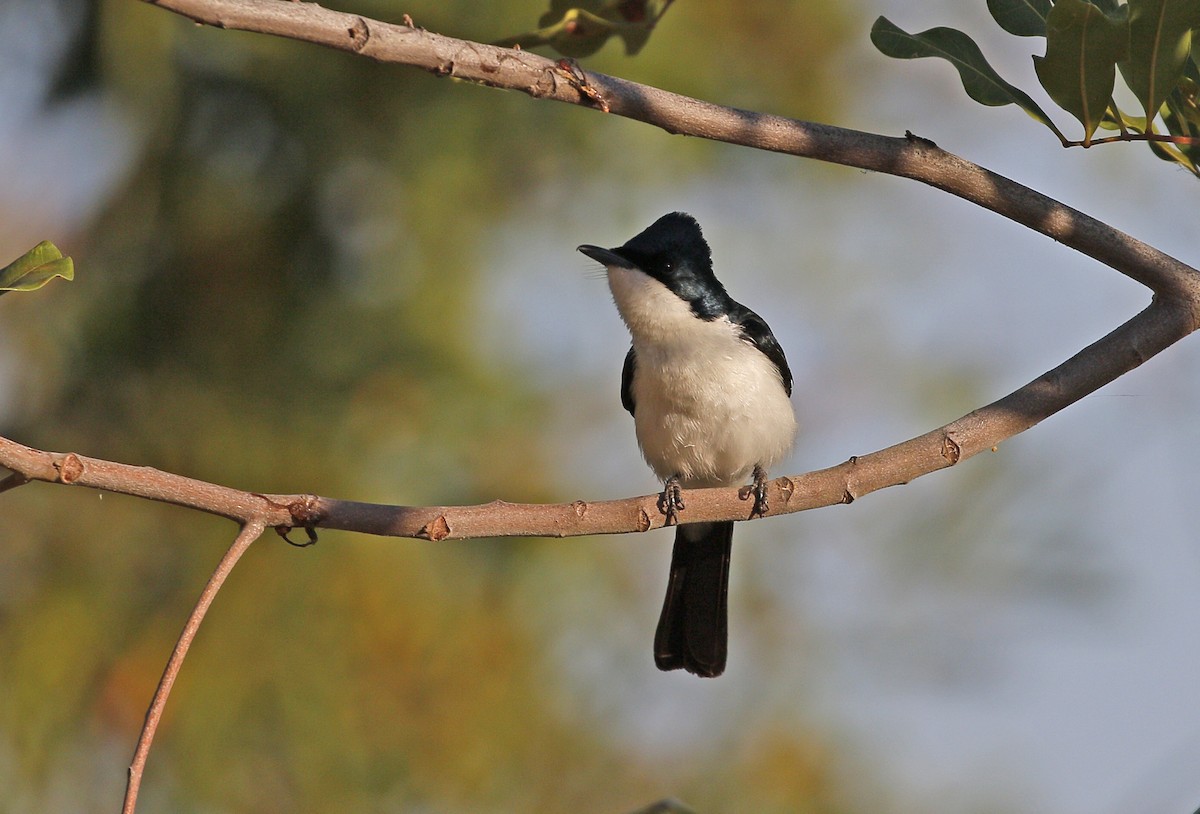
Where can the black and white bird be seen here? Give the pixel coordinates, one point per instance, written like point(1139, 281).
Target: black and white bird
point(709, 390)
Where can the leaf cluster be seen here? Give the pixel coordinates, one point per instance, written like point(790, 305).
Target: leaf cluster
point(1150, 43)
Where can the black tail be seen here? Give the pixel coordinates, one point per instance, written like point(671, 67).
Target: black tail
point(693, 631)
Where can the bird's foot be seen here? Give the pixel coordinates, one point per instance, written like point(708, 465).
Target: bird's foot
point(759, 490)
point(670, 502)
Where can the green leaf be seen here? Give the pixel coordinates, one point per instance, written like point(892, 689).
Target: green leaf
point(1160, 39)
point(579, 28)
point(35, 268)
point(1175, 154)
point(1189, 65)
point(1184, 100)
point(1079, 69)
point(1025, 18)
point(578, 34)
point(1135, 123)
point(979, 80)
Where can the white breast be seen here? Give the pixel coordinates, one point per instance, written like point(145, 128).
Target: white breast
point(709, 405)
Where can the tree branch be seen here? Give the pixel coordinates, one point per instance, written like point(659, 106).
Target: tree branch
point(562, 81)
point(1158, 326)
point(1174, 313)
point(249, 533)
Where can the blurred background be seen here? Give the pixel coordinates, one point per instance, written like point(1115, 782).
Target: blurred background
point(302, 271)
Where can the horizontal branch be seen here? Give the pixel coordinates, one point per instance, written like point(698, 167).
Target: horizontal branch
point(1172, 315)
point(1155, 328)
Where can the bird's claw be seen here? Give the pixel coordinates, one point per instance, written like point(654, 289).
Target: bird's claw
point(670, 502)
point(759, 490)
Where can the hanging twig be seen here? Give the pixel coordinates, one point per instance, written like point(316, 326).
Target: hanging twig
point(249, 533)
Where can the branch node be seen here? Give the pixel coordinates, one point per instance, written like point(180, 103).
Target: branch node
point(569, 69)
point(643, 520)
point(848, 495)
point(69, 467)
point(436, 529)
point(951, 451)
point(359, 33)
point(580, 507)
point(787, 488)
point(306, 511)
point(912, 137)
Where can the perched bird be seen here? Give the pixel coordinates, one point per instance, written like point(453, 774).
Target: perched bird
point(708, 387)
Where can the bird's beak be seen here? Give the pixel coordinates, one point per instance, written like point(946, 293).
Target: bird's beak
point(605, 257)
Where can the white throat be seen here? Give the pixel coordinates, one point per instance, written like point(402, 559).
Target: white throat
point(651, 311)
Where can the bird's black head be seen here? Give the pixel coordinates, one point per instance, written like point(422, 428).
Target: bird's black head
point(673, 251)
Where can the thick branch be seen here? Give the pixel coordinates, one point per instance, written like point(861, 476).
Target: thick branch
point(1173, 315)
point(909, 157)
point(1154, 329)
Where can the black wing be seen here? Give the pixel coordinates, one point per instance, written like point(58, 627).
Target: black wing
point(627, 381)
point(757, 333)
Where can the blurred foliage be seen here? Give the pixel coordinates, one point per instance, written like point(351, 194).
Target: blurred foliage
point(1087, 41)
point(279, 296)
point(580, 29)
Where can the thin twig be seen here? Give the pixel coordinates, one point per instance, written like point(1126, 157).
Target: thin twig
point(661, 12)
point(249, 533)
point(1162, 138)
